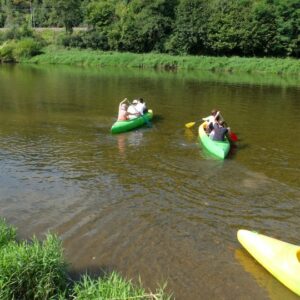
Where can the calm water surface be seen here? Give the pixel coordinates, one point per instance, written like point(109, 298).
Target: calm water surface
point(151, 202)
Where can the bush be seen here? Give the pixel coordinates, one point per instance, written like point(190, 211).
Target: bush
point(6, 51)
point(32, 270)
point(94, 39)
point(74, 40)
point(27, 48)
point(17, 33)
point(13, 51)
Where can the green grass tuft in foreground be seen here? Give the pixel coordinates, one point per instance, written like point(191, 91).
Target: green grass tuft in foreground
point(32, 270)
point(37, 270)
point(113, 286)
point(7, 233)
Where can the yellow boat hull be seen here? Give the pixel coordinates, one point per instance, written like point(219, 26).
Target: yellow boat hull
point(281, 259)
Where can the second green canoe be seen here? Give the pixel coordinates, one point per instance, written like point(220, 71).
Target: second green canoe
point(218, 149)
point(123, 126)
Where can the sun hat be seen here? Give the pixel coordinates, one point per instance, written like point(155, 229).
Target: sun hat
point(135, 101)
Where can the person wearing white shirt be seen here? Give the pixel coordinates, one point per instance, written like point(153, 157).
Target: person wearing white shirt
point(132, 110)
point(141, 106)
point(212, 117)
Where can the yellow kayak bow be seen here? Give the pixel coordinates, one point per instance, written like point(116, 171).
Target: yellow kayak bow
point(281, 259)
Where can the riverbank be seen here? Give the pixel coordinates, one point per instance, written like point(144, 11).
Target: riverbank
point(37, 270)
point(64, 56)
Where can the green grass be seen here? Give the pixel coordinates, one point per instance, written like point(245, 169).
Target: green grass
point(113, 286)
point(54, 55)
point(7, 233)
point(37, 270)
point(32, 270)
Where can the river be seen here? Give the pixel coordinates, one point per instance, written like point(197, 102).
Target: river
point(151, 202)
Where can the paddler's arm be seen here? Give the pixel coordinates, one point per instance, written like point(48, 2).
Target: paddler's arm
point(124, 100)
point(220, 116)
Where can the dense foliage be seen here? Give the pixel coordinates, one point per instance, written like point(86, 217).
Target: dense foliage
point(216, 27)
point(19, 42)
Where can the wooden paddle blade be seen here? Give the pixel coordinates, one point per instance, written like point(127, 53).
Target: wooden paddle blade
point(189, 125)
point(233, 136)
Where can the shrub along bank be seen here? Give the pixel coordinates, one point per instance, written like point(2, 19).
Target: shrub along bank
point(15, 50)
point(54, 55)
point(37, 270)
point(19, 42)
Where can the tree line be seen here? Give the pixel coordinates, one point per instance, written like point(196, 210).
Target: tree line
point(197, 27)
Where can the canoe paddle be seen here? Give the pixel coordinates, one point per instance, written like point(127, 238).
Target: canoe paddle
point(190, 125)
point(233, 136)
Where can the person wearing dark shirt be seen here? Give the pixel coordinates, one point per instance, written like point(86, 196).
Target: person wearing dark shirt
point(218, 131)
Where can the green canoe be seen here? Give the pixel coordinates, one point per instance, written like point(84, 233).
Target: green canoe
point(122, 126)
point(218, 149)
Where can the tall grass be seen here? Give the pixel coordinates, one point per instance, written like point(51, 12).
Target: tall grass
point(32, 270)
point(113, 286)
point(37, 270)
point(54, 55)
point(7, 233)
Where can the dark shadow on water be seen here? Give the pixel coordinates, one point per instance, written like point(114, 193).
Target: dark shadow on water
point(233, 150)
point(93, 271)
point(157, 118)
point(243, 146)
point(149, 124)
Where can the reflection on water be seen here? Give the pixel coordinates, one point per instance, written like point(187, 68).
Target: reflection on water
point(128, 140)
point(149, 202)
point(190, 135)
point(276, 290)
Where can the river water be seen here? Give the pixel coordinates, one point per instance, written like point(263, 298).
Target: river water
point(151, 202)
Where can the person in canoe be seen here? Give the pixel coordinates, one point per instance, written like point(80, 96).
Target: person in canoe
point(218, 131)
point(132, 110)
point(212, 119)
point(141, 106)
point(123, 114)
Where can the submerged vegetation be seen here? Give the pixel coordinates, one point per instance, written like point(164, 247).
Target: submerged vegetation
point(37, 270)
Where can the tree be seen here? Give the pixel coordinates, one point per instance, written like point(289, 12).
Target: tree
point(146, 25)
point(190, 28)
point(264, 34)
point(288, 24)
point(100, 14)
point(2, 13)
point(69, 11)
point(229, 27)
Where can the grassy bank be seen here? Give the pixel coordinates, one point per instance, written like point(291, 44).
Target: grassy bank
point(54, 55)
point(37, 270)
